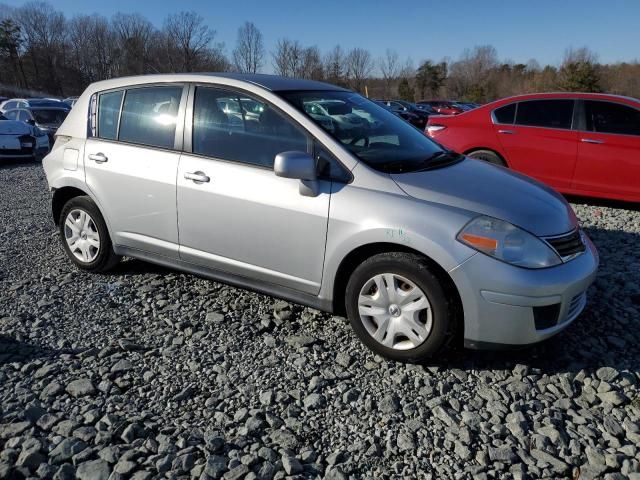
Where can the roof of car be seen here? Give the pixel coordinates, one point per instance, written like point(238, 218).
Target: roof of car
point(273, 83)
point(559, 95)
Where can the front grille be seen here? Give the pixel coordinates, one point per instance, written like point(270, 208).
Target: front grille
point(568, 245)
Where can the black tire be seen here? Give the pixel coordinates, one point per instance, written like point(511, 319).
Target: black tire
point(417, 270)
point(487, 156)
point(106, 258)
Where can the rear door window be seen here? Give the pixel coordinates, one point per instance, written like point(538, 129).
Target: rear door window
point(11, 115)
point(23, 116)
point(609, 117)
point(545, 113)
point(108, 114)
point(149, 116)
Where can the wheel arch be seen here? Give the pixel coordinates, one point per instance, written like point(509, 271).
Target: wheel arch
point(62, 196)
point(488, 149)
point(358, 255)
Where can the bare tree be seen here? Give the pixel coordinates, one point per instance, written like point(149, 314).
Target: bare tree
point(248, 56)
point(287, 57)
point(188, 41)
point(45, 34)
point(335, 68)
point(389, 67)
point(359, 66)
point(133, 35)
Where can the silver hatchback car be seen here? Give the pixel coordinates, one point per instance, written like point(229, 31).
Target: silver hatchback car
point(347, 209)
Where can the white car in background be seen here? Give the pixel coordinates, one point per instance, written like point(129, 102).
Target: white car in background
point(21, 140)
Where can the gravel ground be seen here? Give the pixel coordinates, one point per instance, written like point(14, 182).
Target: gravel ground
point(148, 373)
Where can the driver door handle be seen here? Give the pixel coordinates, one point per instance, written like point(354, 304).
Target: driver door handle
point(98, 157)
point(197, 177)
point(591, 140)
point(506, 132)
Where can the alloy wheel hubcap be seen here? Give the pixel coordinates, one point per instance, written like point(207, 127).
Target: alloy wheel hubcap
point(81, 235)
point(395, 311)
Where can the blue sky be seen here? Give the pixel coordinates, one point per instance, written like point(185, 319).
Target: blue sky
point(519, 29)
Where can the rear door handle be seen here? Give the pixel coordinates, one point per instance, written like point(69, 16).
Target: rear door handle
point(591, 140)
point(197, 177)
point(98, 157)
point(506, 132)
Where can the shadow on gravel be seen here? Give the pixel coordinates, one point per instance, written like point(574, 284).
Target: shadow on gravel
point(132, 266)
point(9, 163)
point(12, 350)
point(603, 202)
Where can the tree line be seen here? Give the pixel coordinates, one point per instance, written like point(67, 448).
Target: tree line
point(43, 52)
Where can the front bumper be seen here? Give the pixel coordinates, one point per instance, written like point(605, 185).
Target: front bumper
point(506, 305)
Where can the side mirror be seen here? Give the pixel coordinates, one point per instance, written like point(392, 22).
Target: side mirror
point(301, 166)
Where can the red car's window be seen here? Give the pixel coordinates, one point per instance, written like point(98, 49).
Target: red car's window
point(545, 113)
point(609, 117)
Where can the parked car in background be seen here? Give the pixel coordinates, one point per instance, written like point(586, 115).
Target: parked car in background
point(70, 101)
point(20, 140)
point(579, 143)
point(414, 119)
point(443, 107)
point(379, 222)
point(14, 103)
point(47, 119)
point(419, 117)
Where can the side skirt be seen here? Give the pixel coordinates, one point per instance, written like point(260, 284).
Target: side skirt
point(229, 278)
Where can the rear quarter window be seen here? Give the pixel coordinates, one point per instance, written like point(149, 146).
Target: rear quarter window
point(108, 114)
point(505, 114)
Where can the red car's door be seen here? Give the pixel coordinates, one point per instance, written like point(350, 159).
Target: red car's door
point(609, 150)
point(541, 143)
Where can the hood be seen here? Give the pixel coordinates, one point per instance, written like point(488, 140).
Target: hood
point(13, 127)
point(486, 189)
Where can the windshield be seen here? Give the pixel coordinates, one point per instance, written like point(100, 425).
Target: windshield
point(376, 136)
point(53, 116)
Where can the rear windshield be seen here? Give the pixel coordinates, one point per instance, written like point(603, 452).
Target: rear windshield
point(49, 116)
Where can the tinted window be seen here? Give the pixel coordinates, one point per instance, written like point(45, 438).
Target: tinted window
point(23, 116)
point(233, 126)
point(108, 112)
point(10, 105)
point(11, 115)
point(149, 116)
point(608, 117)
point(545, 113)
point(505, 114)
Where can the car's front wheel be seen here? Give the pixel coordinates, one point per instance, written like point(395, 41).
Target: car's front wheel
point(85, 237)
point(398, 308)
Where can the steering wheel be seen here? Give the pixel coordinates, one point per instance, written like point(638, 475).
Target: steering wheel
point(359, 137)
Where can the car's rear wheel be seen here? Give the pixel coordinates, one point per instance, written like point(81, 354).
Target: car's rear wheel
point(85, 237)
point(397, 307)
point(487, 156)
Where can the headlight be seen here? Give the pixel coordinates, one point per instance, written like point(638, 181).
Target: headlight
point(506, 242)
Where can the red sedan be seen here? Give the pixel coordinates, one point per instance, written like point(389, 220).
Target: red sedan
point(579, 143)
point(443, 107)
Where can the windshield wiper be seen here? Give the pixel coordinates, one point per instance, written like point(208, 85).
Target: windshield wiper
point(441, 159)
